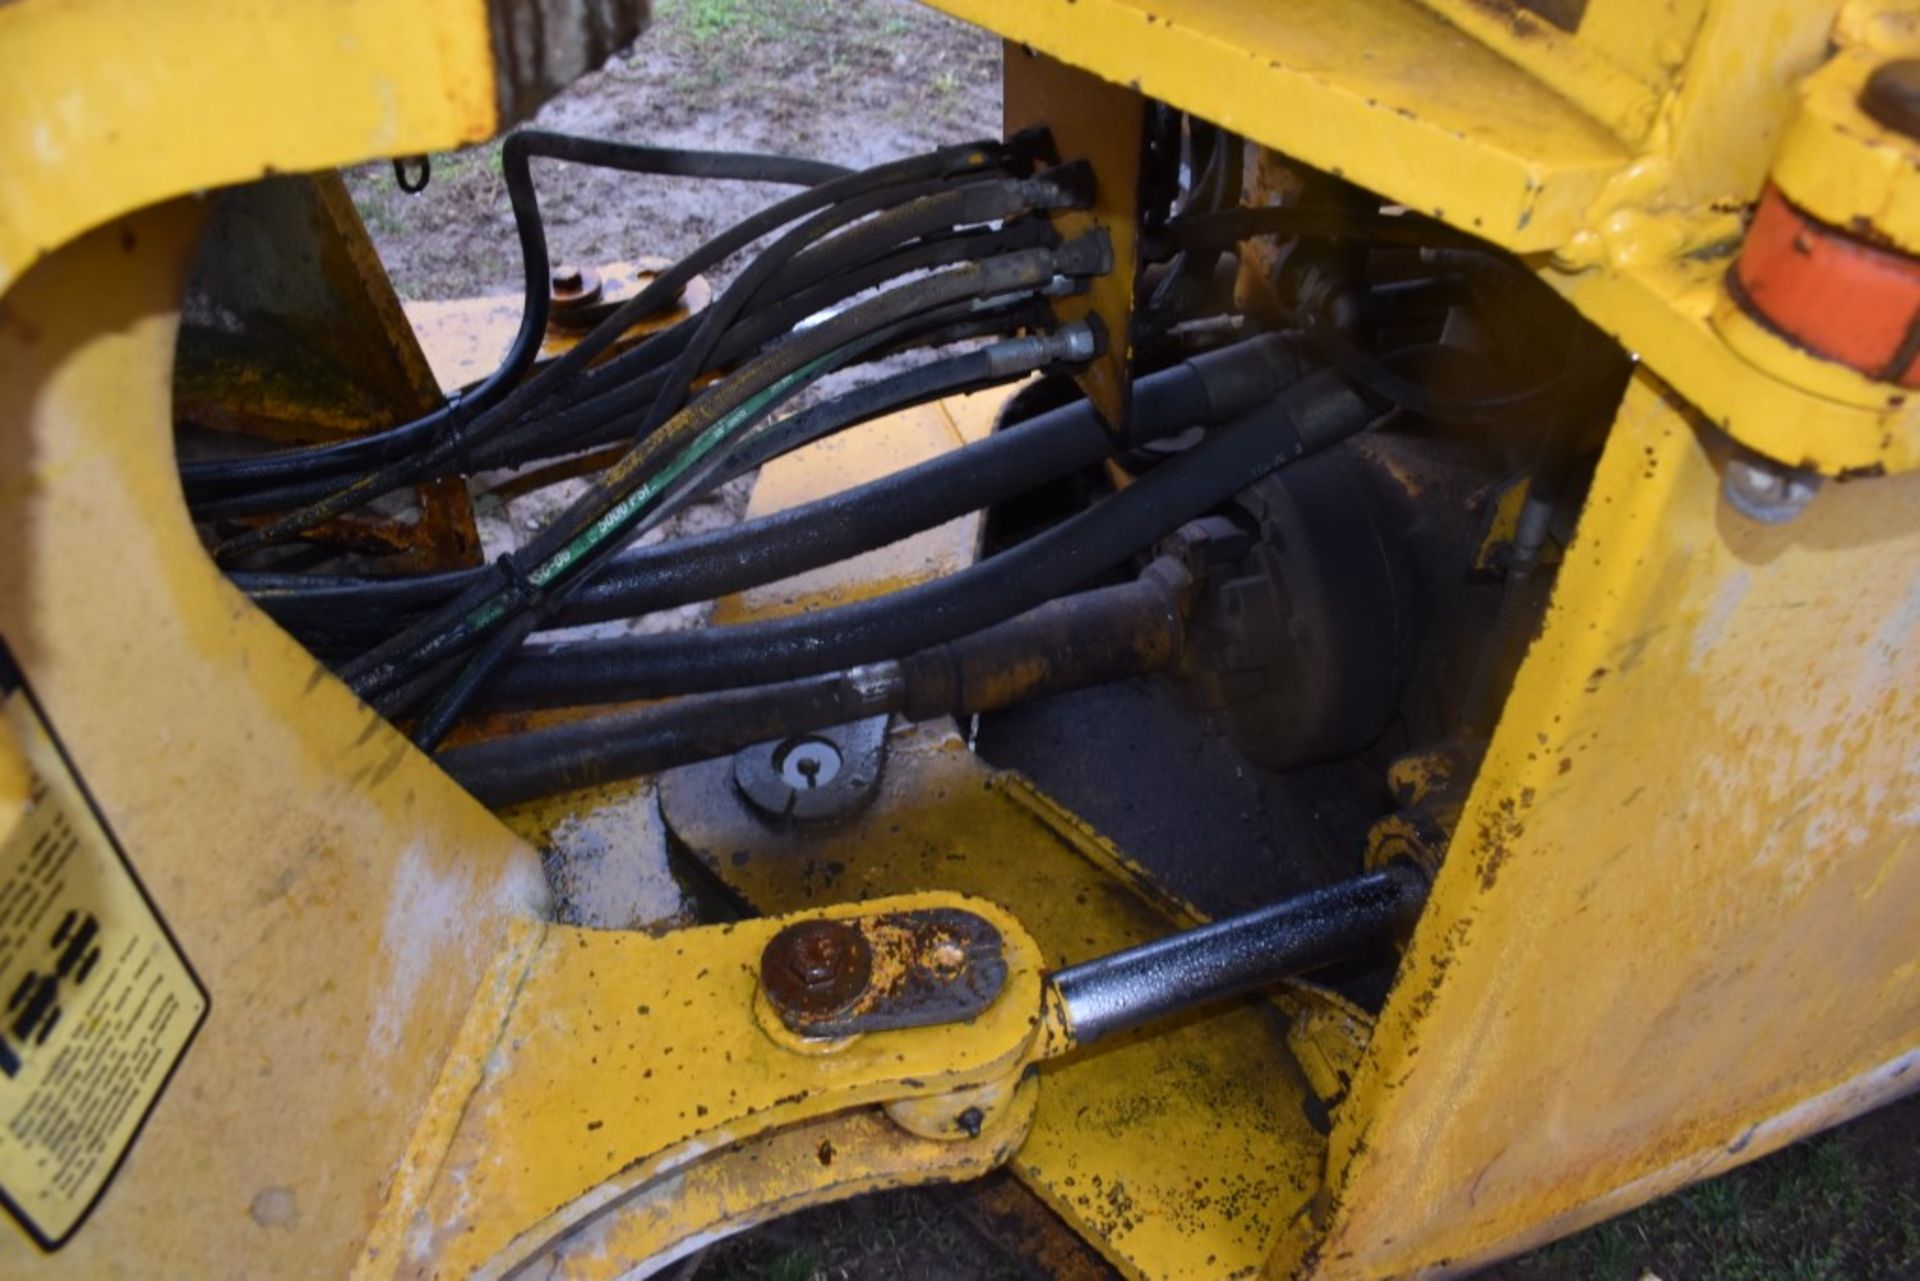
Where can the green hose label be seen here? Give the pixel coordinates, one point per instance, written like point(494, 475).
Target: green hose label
point(97, 1002)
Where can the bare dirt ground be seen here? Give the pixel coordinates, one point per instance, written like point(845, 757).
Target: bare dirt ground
point(855, 83)
point(860, 81)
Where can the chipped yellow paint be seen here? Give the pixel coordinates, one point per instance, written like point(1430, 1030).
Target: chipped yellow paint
point(1675, 927)
point(1384, 92)
point(1616, 66)
point(806, 1164)
point(1180, 1153)
point(1843, 167)
point(621, 1058)
point(339, 897)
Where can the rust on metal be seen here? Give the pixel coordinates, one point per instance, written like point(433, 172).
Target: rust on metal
point(880, 973)
point(571, 288)
point(294, 334)
point(812, 970)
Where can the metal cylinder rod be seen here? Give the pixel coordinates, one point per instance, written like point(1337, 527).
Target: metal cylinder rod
point(1236, 955)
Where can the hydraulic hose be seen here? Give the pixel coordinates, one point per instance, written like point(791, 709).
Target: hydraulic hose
point(912, 173)
point(1075, 342)
point(1316, 412)
point(598, 521)
point(627, 389)
point(1108, 634)
point(969, 371)
point(895, 220)
point(220, 477)
point(454, 445)
point(1207, 389)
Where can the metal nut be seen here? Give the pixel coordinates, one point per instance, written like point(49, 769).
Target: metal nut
point(571, 288)
point(1763, 490)
point(815, 968)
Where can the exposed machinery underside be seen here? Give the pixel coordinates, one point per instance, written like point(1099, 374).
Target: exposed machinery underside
point(1321, 666)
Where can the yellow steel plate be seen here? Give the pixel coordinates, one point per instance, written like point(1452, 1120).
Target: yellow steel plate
point(339, 897)
point(218, 92)
point(1708, 774)
point(1180, 1152)
point(1384, 92)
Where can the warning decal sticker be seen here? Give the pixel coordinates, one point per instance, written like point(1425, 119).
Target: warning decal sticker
point(97, 1003)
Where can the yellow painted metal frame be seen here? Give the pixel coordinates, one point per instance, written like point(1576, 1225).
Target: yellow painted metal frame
point(603, 1071)
point(1620, 154)
point(1709, 754)
point(111, 105)
point(1182, 1152)
point(1675, 928)
point(339, 896)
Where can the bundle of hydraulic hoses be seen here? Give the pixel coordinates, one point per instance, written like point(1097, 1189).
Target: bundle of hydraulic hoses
point(952, 254)
point(934, 251)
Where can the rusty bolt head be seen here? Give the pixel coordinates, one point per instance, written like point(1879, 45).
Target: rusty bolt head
point(570, 287)
point(812, 969)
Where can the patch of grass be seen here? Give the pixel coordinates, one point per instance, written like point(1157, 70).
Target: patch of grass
point(709, 20)
point(1821, 1210)
point(787, 1265)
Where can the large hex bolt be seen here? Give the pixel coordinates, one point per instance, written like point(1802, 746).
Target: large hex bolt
point(569, 288)
point(1763, 490)
point(815, 969)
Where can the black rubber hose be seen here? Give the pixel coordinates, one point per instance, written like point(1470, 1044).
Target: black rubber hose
point(657, 350)
point(939, 328)
point(1108, 634)
point(969, 371)
point(1587, 367)
point(219, 477)
point(981, 367)
point(323, 499)
point(582, 423)
point(465, 621)
point(473, 677)
point(520, 767)
point(1207, 389)
point(343, 612)
point(894, 220)
point(662, 289)
point(1314, 413)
